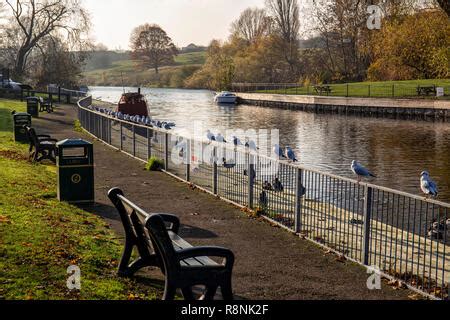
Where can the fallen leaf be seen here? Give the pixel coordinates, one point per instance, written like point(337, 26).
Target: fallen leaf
point(341, 259)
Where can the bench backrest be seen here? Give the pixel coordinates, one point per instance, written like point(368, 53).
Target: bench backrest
point(147, 232)
point(32, 136)
point(133, 220)
point(162, 243)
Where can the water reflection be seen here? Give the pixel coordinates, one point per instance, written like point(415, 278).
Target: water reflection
point(397, 151)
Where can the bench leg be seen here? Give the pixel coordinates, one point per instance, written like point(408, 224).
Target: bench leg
point(227, 291)
point(169, 292)
point(188, 294)
point(126, 256)
point(210, 293)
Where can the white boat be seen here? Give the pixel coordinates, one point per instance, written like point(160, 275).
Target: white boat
point(226, 97)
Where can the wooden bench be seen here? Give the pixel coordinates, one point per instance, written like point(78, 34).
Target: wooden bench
point(323, 89)
point(426, 90)
point(42, 147)
point(158, 244)
point(46, 105)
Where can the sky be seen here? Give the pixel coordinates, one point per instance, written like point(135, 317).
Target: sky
point(185, 21)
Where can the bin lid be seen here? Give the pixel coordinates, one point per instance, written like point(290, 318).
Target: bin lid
point(32, 98)
point(73, 143)
point(21, 114)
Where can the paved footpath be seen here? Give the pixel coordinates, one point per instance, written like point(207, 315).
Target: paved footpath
point(271, 264)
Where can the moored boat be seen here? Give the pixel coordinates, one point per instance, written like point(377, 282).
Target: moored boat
point(133, 104)
point(226, 98)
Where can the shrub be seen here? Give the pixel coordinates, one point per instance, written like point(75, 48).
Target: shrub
point(154, 164)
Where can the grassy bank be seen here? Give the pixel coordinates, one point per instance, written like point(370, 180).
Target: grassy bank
point(382, 89)
point(41, 237)
point(169, 76)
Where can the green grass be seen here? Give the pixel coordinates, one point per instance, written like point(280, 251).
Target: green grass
point(384, 89)
point(133, 75)
point(154, 164)
point(41, 237)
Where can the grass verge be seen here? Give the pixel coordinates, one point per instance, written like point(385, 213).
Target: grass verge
point(41, 237)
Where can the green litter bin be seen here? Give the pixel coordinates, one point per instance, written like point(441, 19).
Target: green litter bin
point(21, 119)
point(75, 169)
point(33, 106)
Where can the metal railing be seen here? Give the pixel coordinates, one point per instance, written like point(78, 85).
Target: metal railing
point(345, 90)
point(371, 225)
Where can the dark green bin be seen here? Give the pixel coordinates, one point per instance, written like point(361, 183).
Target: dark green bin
point(33, 106)
point(20, 120)
point(75, 169)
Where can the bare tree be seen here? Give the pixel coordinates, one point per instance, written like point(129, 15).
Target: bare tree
point(252, 24)
point(286, 20)
point(36, 20)
point(285, 14)
point(152, 46)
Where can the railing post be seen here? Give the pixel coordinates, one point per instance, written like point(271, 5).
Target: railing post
point(215, 171)
point(298, 200)
point(251, 179)
point(166, 151)
point(189, 159)
point(134, 140)
point(149, 144)
point(121, 136)
point(59, 94)
point(109, 131)
point(367, 223)
point(347, 91)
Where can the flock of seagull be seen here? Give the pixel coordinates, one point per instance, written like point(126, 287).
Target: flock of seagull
point(142, 120)
point(427, 185)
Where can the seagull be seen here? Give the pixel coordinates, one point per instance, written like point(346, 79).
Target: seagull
point(220, 138)
point(278, 152)
point(290, 154)
point(251, 145)
point(267, 186)
point(263, 200)
point(236, 141)
point(428, 186)
point(277, 185)
point(437, 230)
point(210, 136)
point(360, 171)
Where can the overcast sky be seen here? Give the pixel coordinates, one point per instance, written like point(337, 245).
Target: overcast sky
point(186, 21)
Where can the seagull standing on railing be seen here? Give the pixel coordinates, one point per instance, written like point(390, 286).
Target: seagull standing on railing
point(278, 152)
point(210, 136)
point(220, 138)
point(290, 154)
point(236, 141)
point(251, 145)
point(428, 186)
point(360, 171)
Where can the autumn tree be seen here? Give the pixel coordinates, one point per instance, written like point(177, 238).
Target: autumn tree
point(152, 47)
point(416, 47)
point(252, 25)
point(32, 22)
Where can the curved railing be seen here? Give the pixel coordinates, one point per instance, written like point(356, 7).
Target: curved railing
point(378, 227)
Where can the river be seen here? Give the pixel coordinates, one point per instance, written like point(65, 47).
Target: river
point(397, 151)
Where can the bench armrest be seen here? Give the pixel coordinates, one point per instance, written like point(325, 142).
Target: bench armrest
point(43, 136)
point(208, 252)
point(172, 219)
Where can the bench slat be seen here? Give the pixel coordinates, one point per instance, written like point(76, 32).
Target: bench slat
point(180, 244)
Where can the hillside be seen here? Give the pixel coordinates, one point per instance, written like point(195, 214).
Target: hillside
point(108, 68)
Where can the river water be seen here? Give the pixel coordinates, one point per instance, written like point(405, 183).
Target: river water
point(397, 151)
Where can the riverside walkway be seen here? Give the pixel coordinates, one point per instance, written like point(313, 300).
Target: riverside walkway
point(270, 263)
